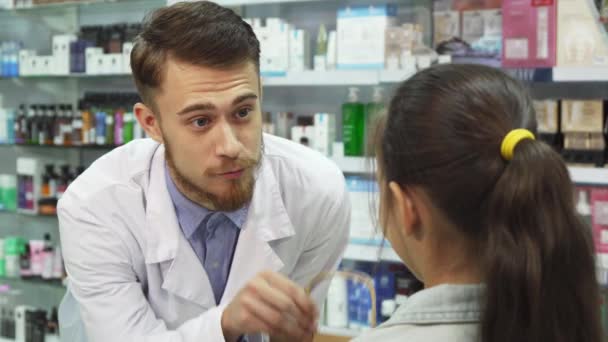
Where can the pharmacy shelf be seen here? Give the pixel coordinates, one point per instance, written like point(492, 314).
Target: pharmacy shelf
point(371, 251)
point(4, 339)
point(395, 76)
point(83, 147)
point(324, 78)
point(307, 78)
point(589, 175)
point(258, 2)
point(341, 332)
point(354, 164)
point(579, 174)
point(580, 74)
point(17, 282)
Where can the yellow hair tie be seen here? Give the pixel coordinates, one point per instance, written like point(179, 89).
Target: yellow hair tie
point(512, 139)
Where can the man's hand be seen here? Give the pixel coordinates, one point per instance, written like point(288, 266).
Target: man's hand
point(272, 304)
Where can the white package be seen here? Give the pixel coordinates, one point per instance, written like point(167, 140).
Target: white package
point(325, 133)
point(61, 53)
point(361, 191)
point(303, 135)
point(274, 46)
point(126, 57)
point(361, 36)
point(113, 64)
point(92, 60)
point(299, 50)
point(25, 67)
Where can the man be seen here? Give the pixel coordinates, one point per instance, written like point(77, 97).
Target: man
point(209, 231)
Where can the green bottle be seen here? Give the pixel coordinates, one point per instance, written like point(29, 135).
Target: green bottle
point(353, 125)
point(109, 126)
point(373, 112)
point(8, 189)
point(127, 130)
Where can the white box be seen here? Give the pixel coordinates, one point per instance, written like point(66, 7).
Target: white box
point(360, 191)
point(61, 53)
point(92, 60)
point(303, 135)
point(361, 36)
point(126, 57)
point(325, 133)
point(113, 64)
point(48, 65)
point(274, 46)
point(25, 68)
point(7, 4)
point(299, 50)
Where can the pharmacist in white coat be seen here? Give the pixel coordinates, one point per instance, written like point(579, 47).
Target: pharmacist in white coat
point(210, 230)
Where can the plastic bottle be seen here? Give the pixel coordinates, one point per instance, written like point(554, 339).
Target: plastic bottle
point(32, 125)
point(118, 127)
point(20, 125)
point(47, 256)
point(66, 126)
point(100, 127)
point(10, 126)
point(128, 127)
point(337, 312)
point(583, 208)
point(353, 124)
point(58, 119)
point(77, 128)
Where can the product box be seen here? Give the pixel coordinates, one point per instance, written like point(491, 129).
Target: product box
point(113, 64)
point(299, 50)
point(529, 33)
point(483, 30)
point(361, 34)
point(582, 40)
point(274, 45)
point(547, 116)
point(361, 191)
point(285, 121)
point(599, 218)
point(399, 45)
point(94, 60)
point(61, 53)
point(325, 133)
point(25, 63)
point(446, 26)
point(7, 4)
point(304, 135)
point(582, 116)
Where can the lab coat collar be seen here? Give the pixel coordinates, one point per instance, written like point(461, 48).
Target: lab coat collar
point(267, 220)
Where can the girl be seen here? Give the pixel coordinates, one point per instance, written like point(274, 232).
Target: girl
point(483, 214)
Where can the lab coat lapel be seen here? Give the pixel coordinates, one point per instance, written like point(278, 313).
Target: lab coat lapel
point(182, 272)
point(267, 221)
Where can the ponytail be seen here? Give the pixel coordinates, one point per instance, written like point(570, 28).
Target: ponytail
point(539, 259)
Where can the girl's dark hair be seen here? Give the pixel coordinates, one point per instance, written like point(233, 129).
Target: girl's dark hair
point(443, 134)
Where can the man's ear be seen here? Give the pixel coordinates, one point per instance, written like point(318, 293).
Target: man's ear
point(149, 121)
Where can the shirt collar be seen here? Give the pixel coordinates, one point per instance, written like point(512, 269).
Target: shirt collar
point(190, 215)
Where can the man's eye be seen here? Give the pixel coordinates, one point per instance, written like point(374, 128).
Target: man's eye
point(243, 113)
point(201, 122)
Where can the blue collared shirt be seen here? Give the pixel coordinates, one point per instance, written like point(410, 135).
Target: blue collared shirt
point(212, 235)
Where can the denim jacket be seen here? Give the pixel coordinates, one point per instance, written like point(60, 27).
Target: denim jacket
point(441, 313)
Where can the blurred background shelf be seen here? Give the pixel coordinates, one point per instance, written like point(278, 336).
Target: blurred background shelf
point(341, 332)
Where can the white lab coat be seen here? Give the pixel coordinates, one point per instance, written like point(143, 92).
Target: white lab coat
point(133, 275)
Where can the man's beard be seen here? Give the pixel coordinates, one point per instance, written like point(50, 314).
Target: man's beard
point(239, 193)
